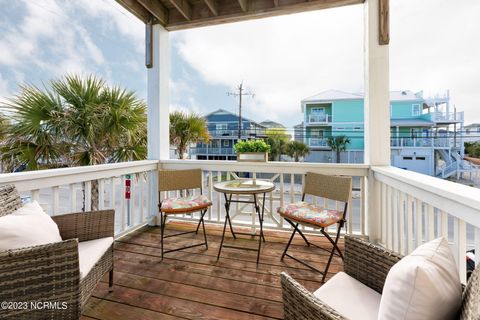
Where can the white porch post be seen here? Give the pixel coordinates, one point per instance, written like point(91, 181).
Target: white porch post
point(377, 115)
point(158, 108)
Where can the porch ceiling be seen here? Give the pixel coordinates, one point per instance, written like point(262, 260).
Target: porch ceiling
point(184, 14)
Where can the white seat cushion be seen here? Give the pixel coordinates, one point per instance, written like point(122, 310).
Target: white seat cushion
point(28, 226)
point(350, 297)
point(423, 285)
point(89, 252)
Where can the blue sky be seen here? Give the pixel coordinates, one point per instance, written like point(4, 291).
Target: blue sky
point(435, 46)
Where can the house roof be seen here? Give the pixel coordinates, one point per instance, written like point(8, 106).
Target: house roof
point(405, 95)
point(411, 123)
point(473, 125)
point(223, 111)
point(329, 95)
point(271, 124)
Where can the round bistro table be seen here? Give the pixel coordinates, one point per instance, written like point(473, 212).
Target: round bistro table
point(252, 187)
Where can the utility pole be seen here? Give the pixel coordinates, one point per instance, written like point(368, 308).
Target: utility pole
point(239, 94)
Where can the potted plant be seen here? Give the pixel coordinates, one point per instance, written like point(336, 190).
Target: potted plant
point(252, 150)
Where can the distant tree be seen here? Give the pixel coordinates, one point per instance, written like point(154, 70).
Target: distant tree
point(186, 129)
point(338, 144)
point(278, 139)
point(472, 149)
point(74, 121)
point(297, 150)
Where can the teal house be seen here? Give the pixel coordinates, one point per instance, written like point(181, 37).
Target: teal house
point(425, 132)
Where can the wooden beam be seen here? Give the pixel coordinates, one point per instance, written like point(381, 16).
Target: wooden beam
point(136, 9)
point(212, 6)
point(156, 8)
point(184, 7)
point(384, 25)
point(243, 5)
point(229, 11)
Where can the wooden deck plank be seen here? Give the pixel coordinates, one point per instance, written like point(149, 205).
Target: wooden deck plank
point(192, 284)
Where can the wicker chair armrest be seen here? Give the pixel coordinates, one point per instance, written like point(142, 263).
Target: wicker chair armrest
point(301, 304)
point(367, 262)
point(86, 225)
point(45, 274)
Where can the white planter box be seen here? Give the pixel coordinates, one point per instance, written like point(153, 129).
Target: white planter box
point(253, 156)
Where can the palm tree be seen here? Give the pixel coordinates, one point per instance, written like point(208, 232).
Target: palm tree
point(186, 129)
point(297, 150)
point(75, 121)
point(338, 144)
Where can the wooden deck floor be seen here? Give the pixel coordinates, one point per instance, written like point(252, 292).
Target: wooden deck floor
point(192, 284)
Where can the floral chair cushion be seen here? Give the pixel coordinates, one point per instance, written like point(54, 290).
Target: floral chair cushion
point(185, 204)
point(306, 212)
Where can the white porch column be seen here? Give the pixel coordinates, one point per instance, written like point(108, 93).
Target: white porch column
point(158, 107)
point(377, 111)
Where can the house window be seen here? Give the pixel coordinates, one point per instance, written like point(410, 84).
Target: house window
point(416, 110)
point(317, 110)
point(226, 143)
point(221, 126)
point(316, 133)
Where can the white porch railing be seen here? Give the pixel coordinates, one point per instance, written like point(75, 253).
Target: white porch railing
point(67, 190)
point(289, 179)
point(416, 208)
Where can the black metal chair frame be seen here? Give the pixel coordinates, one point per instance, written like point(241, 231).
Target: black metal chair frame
point(335, 249)
point(163, 220)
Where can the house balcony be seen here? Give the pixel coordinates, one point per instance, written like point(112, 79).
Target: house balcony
point(427, 142)
point(317, 142)
point(212, 151)
point(234, 133)
point(314, 119)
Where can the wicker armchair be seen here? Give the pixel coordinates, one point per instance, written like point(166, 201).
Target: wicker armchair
point(50, 273)
point(369, 264)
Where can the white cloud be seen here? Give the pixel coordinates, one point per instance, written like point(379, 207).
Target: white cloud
point(282, 59)
point(434, 47)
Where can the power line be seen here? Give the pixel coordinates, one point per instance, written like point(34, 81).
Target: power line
point(239, 95)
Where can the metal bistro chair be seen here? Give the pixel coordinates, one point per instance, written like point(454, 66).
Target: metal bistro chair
point(336, 188)
point(182, 180)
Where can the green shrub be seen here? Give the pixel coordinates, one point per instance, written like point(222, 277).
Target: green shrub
point(251, 146)
point(472, 149)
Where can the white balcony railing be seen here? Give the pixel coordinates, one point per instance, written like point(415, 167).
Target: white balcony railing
point(317, 142)
point(448, 116)
point(319, 119)
point(424, 142)
point(289, 179)
point(416, 208)
point(413, 208)
point(66, 190)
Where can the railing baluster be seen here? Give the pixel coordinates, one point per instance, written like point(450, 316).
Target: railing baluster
point(101, 194)
point(210, 193)
point(389, 218)
point(384, 213)
point(112, 195)
point(396, 238)
point(292, 188)
point(419, 222)
point(88, 195)
point(409, 204)
point(402, 213)
point(73, 198)
point(363, 196)
point(476, 240)
point(462, 249)
point(219, 198)
point(431, 222)
point(55, 200)
point(141, 197)
point(282, 193)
